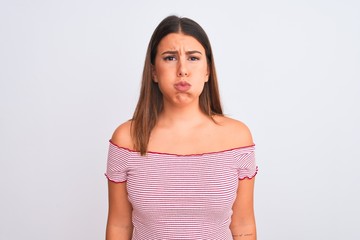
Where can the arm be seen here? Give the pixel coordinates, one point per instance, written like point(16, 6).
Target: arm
point(119, 224)
point(243, 225)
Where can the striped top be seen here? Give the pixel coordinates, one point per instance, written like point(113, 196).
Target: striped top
point(181, 196)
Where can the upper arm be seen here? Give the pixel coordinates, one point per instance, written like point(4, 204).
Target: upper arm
point(120, 212)
point(243, 218)
point(243, 207)
point(119, 224)
point(118, 199)
point(243, 224)
point(119, 205)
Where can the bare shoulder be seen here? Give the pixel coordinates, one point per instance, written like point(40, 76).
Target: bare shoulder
point(122, 135)
point(234, 132)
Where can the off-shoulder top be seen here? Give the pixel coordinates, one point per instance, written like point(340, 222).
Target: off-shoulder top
point(181, 196)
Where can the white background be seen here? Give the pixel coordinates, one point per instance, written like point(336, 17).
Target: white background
point(70, 73)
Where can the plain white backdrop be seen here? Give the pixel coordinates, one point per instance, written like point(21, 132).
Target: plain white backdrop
point(70, 73)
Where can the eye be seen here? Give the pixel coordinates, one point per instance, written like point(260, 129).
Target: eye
point(193, 58)
point(169, 58)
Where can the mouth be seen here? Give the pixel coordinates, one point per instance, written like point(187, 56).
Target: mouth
point(182, 86)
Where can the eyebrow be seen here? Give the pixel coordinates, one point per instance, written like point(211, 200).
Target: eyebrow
point(175, 52)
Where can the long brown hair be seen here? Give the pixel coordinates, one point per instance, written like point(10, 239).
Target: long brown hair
point(150, 103)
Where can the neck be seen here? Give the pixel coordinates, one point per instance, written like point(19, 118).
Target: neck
point(182, 115)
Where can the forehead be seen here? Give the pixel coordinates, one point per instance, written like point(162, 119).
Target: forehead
point(180, 41)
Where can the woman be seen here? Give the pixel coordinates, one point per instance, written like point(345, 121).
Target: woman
point(180, 169)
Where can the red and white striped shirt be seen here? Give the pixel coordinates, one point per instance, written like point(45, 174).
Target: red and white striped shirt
point(181, 196)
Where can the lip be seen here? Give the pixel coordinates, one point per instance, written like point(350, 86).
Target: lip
point(182, 86)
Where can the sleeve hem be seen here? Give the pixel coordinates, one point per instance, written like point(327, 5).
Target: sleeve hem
point(114, 181)
point(252, 176)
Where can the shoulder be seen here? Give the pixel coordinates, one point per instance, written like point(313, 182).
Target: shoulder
point(122, 135)
point(234, 132)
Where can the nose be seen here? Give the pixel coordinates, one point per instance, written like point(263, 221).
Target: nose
point(182, 69)
point(182, 74)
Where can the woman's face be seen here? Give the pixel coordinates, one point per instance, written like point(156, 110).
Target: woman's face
point(180, 69)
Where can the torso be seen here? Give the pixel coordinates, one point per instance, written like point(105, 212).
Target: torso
point(181, 196)
point(186, 185)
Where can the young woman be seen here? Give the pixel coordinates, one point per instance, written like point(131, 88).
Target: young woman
point(180, 169)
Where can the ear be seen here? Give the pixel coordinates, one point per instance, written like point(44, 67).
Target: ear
point(207, 75)
point(153, 73)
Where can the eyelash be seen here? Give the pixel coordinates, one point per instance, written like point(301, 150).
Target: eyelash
point(194, 58)
point(169, 58)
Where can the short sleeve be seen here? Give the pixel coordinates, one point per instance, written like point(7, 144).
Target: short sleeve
point(246, 164)
point(116, 170)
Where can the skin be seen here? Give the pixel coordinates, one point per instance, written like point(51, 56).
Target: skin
point(180, 58)
point(183, 129)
